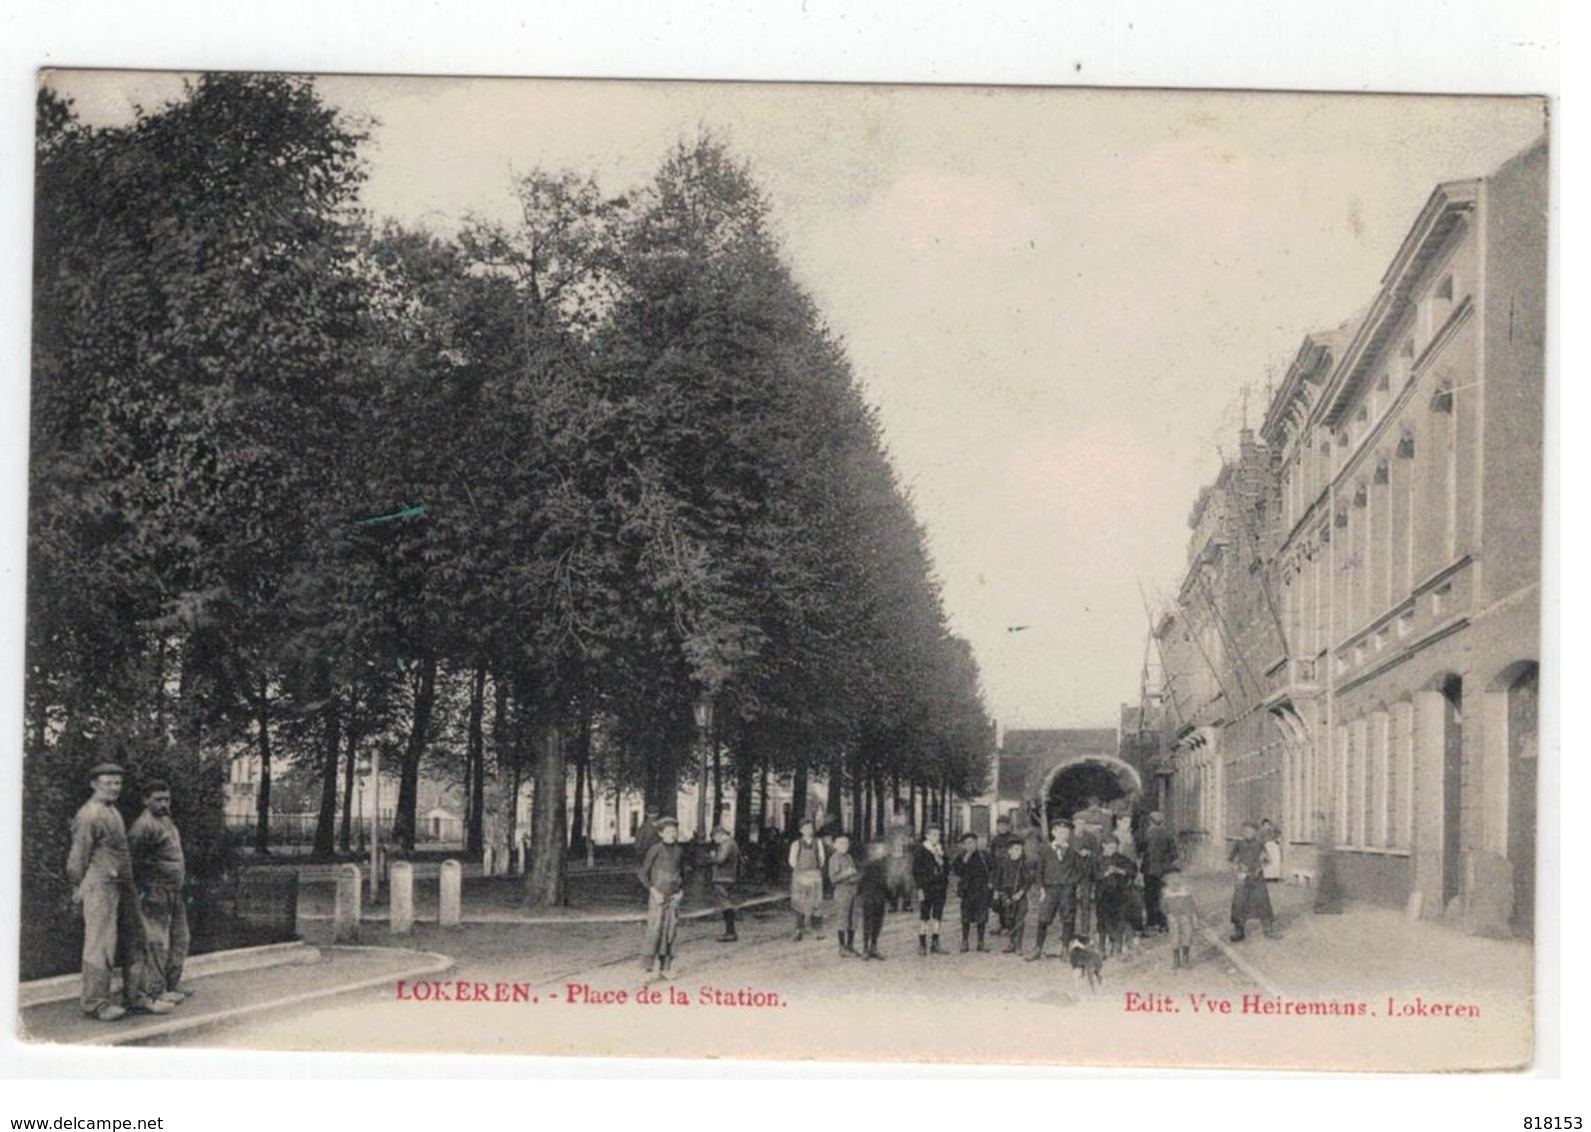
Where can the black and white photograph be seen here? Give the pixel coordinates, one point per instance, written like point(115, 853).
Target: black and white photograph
point(798, 571)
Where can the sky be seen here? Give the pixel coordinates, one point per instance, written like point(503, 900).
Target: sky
point(1056, 299)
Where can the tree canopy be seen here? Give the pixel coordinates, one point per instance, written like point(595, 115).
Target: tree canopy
point(306, 482)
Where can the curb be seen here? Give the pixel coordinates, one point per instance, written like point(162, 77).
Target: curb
point(63, 987)
point(1247, 969)
point(434, 964)
point(552, 921)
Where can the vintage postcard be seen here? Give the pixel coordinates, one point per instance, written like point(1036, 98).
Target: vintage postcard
point(840, 572)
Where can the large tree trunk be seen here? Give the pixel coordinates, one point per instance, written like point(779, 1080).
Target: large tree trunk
point(350, 769)
point(798, 794)
point(474, 838)
point(858, 823)
point(880, 819)
point(744, 770)
point(404, 825)
point(326, 819)
point(262, 799)
point(834, 803)
point(762, 805)
point(578, 834)
point(718, 782)
point(544, 879)
point(662, 786)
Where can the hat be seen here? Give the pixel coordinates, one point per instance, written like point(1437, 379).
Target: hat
point(104, 768)
point(969, 836)
point(661, 822)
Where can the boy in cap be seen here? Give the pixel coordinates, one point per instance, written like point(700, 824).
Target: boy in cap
point(100, 869)
point(844, 876)
point(159, 871)
point(931, 874)
point(1013, 876)
point(976, 870)
point(662, 871)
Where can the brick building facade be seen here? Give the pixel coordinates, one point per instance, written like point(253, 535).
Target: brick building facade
point(1354, 650)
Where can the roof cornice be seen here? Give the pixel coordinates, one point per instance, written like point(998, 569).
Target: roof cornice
point(1447, 206)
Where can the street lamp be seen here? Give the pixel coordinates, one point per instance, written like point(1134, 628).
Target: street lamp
point(702, 709)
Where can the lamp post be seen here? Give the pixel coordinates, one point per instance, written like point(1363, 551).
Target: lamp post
point(702, 709)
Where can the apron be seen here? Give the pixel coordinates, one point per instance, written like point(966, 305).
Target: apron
point(806, 882)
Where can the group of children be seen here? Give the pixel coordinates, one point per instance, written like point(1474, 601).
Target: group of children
point(1092, 887)
point(1090, 882)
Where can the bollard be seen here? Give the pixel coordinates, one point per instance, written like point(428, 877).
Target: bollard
point(488, 861)
point(521, 859)
point(401, 876)
point(452, 882)
point(345, 916)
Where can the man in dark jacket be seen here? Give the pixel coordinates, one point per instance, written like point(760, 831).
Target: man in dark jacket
point(1159, 857)
point(975, 868)
point(662, 871)
point(1062, 869)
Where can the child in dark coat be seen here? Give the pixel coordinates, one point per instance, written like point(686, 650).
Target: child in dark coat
point(1113, 895)
point(976, 869)
point(872, 892)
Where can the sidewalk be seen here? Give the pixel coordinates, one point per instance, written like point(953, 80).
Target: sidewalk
point(233, 994)
point(1365, 946)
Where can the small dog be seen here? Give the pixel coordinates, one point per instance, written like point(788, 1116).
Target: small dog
point(1086, 965)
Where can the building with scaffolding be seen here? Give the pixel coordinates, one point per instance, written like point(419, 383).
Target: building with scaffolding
point(1354, 651)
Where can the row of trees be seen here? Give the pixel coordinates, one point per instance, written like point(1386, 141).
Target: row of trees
point(501, 504)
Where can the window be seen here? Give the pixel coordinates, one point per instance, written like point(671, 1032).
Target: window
point(1400, 776)
point(1344, 778)
point(1377, 797)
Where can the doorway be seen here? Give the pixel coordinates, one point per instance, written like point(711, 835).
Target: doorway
point(1522, 700)
point(1452, 788)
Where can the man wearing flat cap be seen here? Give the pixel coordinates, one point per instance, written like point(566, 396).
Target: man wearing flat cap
point(100, 868)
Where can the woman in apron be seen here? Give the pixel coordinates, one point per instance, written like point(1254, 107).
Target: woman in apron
point(806, 879)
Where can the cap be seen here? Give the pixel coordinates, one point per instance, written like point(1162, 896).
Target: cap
point(969, 836)
point(104, 768)
point(661, 822)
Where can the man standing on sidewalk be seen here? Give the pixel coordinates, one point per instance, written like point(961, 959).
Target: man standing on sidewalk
point(1160, 857)
point(159, 872)
point(101, 872)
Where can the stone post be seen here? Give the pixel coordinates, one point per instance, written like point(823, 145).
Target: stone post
point(401, 876)
point(345, 916)
point(452, 880)
point(521, 858)
point(488, 861)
